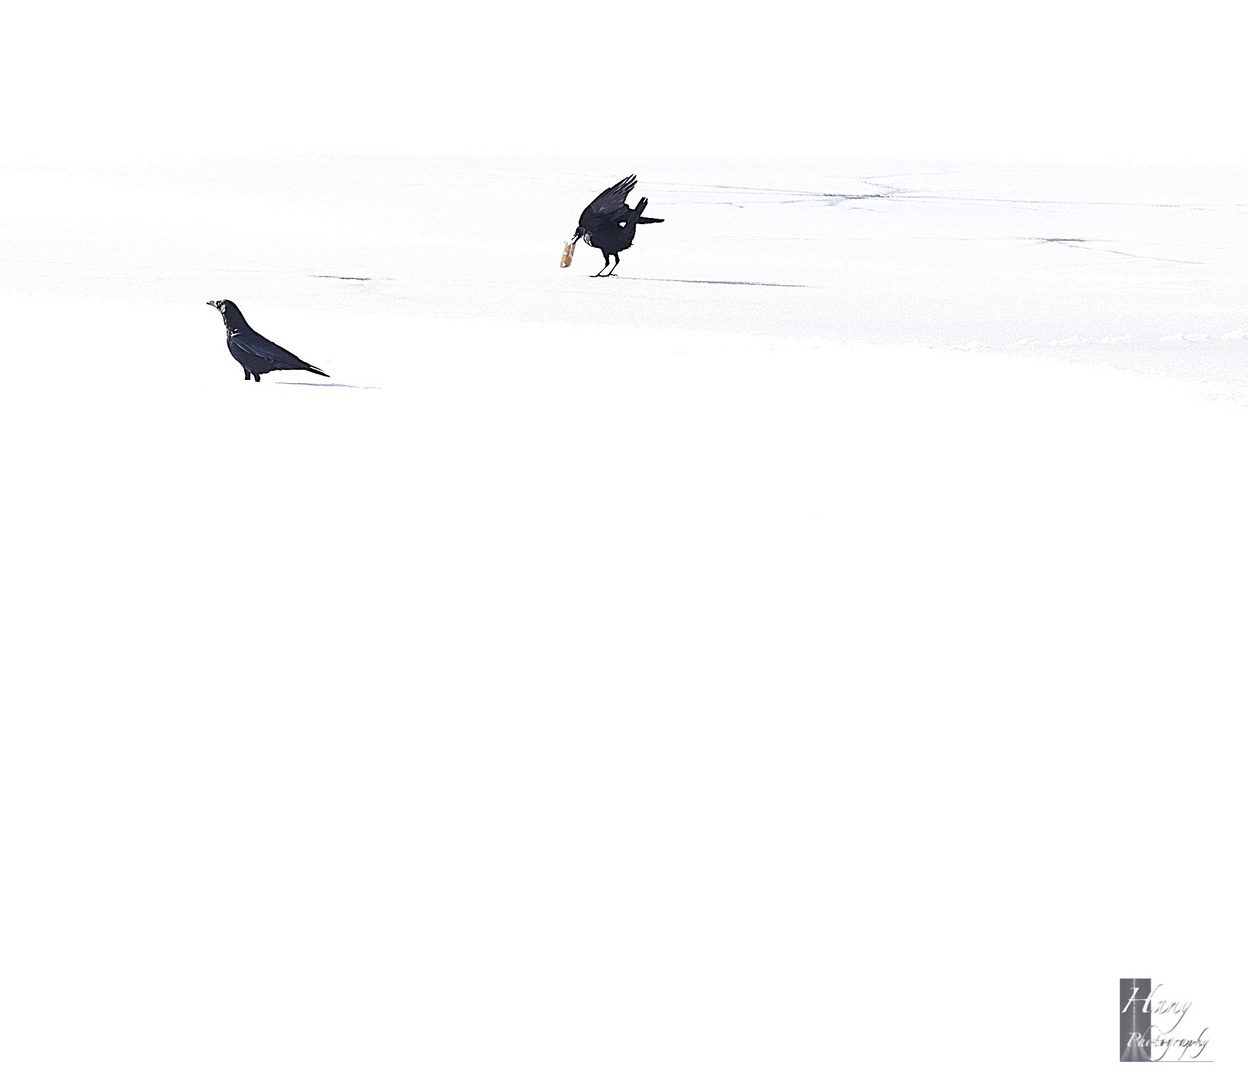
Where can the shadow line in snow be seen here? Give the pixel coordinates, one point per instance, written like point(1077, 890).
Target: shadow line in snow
point(708, 281)
point(331, 385)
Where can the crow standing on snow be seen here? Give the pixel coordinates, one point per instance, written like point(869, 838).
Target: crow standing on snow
point(609, 224)
point(257, 354)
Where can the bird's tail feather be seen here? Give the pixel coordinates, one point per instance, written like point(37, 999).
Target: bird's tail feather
point(317, 371)
point(642, 203)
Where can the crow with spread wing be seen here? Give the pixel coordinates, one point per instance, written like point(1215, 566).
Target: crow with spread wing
point(609, 224)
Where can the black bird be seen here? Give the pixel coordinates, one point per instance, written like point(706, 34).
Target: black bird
point(256, 353)
point(609, 224)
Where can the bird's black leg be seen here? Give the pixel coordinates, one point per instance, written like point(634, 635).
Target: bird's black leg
point(256, 377)
point(246, 375)
point(616, 266)
point(606, 262)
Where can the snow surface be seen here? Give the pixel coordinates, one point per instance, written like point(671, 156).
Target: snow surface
point(815, 651)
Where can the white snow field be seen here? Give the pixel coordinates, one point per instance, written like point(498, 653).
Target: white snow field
point(816, 651)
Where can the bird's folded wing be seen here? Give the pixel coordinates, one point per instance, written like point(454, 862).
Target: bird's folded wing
point(262, 348)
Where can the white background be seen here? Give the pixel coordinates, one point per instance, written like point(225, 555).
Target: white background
point(1066, 80)
point(816, 650)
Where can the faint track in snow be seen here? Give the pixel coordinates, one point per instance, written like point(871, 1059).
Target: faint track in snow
point(787, 195)
point(1078, 244)
point(928, 195)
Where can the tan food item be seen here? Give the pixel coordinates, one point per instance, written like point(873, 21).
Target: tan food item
point(566, 261)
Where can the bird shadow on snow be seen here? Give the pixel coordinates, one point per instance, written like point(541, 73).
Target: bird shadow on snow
point(704, 281)
point(329, 385)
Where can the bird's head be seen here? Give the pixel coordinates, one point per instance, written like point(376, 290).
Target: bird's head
point(229, 309)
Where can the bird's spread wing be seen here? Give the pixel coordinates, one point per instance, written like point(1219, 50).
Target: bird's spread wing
point(261, 348)
point(611, 201)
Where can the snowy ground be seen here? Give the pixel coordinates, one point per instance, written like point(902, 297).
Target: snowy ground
point(815, 651)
